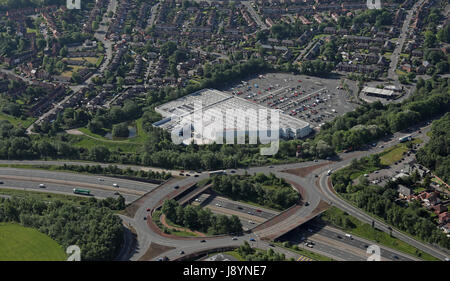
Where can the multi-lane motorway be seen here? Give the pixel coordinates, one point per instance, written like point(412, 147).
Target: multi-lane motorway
point(58, 182)
point(314, 189)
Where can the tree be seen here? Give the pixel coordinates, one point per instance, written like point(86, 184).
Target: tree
point(100, 154)
point(63, 52)
point(120, 130)
point(444, 34)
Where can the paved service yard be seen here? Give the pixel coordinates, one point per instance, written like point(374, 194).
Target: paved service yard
point(314, 100)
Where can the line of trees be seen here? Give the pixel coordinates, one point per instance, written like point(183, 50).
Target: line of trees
point(201, 219)
point(372, 121)
point(115, 171)
point(92, 226)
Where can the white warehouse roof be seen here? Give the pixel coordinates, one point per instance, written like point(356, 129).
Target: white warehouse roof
point(214, 102)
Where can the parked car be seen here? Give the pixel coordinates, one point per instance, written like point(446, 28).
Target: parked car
point(252, 239)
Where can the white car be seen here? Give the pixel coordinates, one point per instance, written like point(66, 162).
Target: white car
point(115, 185)
point(234, 238)
point(42, 185)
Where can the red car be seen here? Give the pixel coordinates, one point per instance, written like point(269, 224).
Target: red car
point(148, 209)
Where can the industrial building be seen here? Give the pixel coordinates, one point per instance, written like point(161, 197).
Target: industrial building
point(213, 106)
point(381, 93)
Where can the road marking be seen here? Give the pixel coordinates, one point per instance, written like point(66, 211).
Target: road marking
point(303, 258)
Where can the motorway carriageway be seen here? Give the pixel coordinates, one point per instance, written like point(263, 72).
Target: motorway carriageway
point(60, 182)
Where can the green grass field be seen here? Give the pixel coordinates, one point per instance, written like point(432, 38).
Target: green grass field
point(18, 243)
point(395, 153)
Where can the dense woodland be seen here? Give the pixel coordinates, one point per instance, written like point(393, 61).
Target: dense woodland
point(261, 189)
point(435, 155)
point(201, 219)
point(93, 226)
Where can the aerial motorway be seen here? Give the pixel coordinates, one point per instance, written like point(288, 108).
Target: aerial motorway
point(144, 198)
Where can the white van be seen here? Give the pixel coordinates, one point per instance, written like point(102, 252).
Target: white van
point(349, 235)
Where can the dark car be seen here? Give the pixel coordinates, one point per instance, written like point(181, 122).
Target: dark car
point(252, 239)
point(176, 186)
point(202, 241)
point(306, 203)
